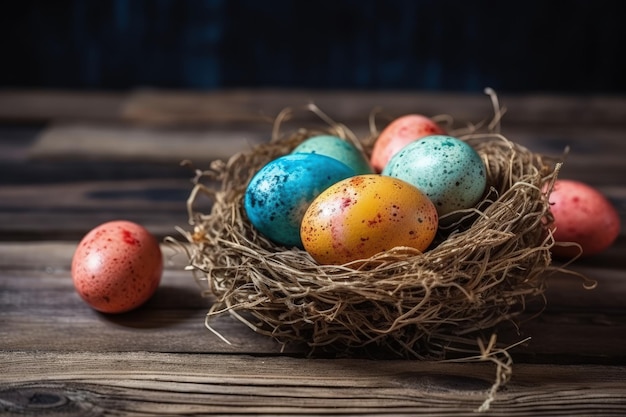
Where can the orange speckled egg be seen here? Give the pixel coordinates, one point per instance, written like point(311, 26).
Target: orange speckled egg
point(117, 266)
point(582, 215)
point(398, 134)
point(361, 216)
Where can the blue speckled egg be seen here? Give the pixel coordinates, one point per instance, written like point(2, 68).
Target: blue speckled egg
point(449, 171)
point(279, 194)
point(338, 148)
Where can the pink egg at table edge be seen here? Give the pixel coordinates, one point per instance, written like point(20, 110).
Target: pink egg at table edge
point(399, 133)
point(582, 215)
point(117, 266)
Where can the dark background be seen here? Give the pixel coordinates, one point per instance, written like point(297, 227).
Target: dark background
point(573, 46)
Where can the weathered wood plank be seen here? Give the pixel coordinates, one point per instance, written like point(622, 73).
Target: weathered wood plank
point(565, 291)
point(59, 357)
point(40, 310)
point(19, 165)
point(89, 383)
point(68, 210)
point(122, 143)
point(46, 105)
point(139, 177)
point(164, 107)
point(597, 148)
point(245, 106)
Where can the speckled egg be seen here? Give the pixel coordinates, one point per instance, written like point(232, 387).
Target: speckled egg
point(279, 194)
point(584, 216)
point(365, 215)
point(449, 171)
point(117, 266)
point(399, 133)
point(338, 148)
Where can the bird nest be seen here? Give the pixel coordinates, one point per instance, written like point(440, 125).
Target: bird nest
point(484, 266)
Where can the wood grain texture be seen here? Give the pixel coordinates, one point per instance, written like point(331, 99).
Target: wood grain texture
point(42, 106)
point(41, 310)
point(68, 210)
point(59, 357)
point(139, 384)
point(123, 143)
point(140, 178)
point(163, 107)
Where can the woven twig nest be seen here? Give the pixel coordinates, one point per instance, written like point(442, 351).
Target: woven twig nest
point(481, 270)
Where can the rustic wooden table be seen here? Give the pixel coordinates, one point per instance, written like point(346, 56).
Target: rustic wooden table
point(69, 161)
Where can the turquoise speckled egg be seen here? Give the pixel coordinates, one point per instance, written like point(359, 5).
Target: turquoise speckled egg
point(449, 171)
point(277, 197)
point(338, 148)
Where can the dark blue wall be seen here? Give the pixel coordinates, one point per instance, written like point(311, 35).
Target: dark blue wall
point(456, 45)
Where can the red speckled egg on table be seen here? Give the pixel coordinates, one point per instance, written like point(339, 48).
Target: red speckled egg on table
point(584, 216)
point(117, 266)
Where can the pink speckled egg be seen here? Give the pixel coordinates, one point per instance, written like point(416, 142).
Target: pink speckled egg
point(399, 133)
point(582, 215)
point(117, 266)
